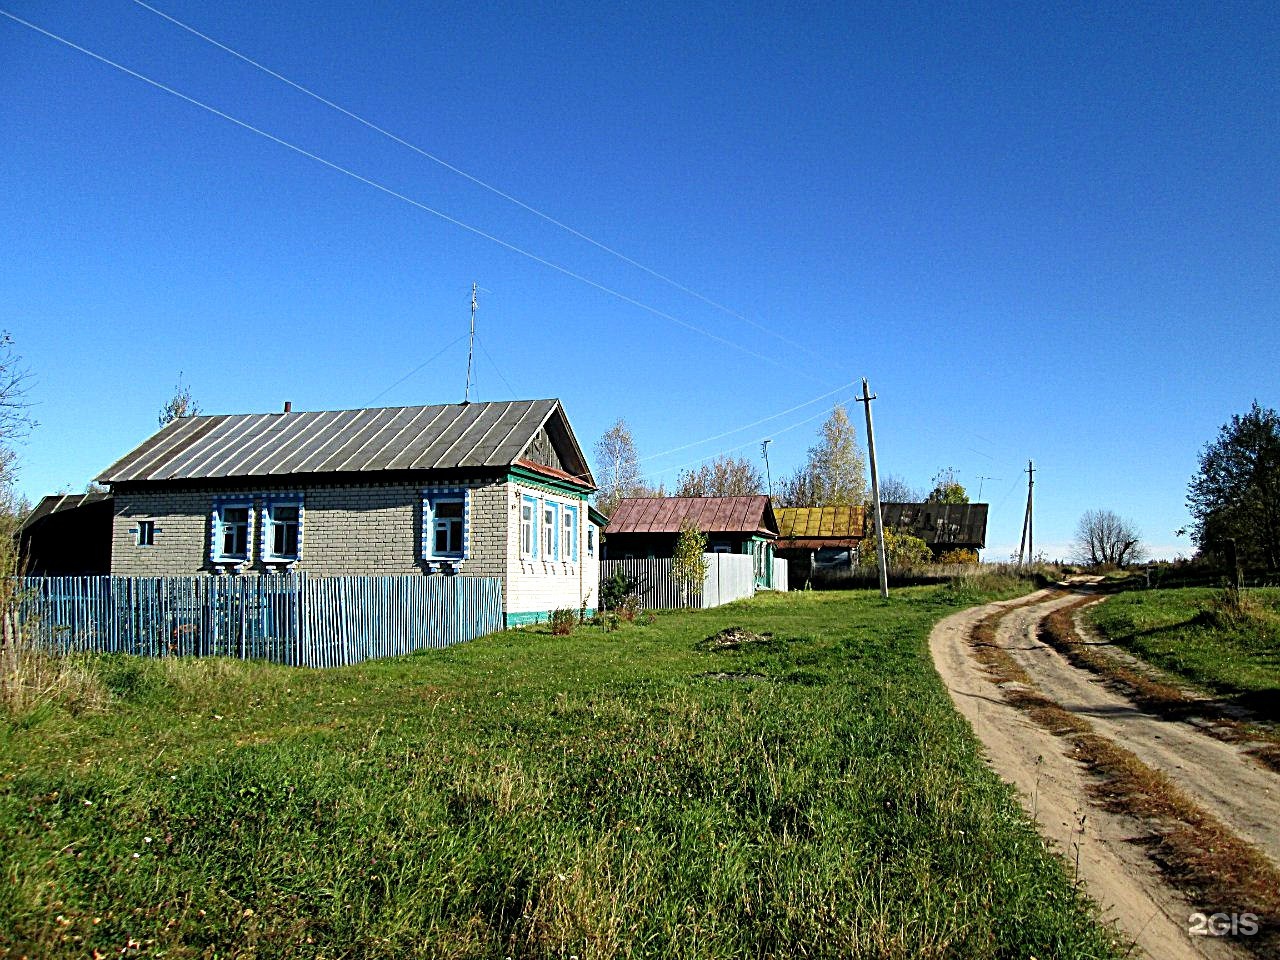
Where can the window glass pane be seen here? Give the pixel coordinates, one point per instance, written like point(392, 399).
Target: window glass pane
point(146, 533)
point(448, 508)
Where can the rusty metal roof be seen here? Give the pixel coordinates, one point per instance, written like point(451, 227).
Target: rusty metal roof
point(830, 523)
point(708, 514)
point(939, 524)
point(434, 437)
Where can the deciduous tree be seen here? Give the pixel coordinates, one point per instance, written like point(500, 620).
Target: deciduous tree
point(947, 488)
point(722, 477)
point(1236, 493)
point(617, 468)
point(1105, 539)
point(834, 473)
point(688, 563)
point(181, 404)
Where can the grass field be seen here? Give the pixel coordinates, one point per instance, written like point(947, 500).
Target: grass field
point(623, 794)
point(1193, 634)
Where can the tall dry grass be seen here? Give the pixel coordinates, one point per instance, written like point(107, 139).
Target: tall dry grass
point(31, 677)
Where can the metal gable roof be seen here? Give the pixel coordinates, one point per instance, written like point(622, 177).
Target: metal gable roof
point(434, 437)
point(708, 514)
point(835, 523)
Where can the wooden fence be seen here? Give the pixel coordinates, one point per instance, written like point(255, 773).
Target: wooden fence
point(292, 618)
point(730, 576)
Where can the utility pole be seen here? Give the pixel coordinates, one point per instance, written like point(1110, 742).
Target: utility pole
point(471, 344)
point(1028, 524)
point(980, 480)
point(867, 397)
point(764, 449)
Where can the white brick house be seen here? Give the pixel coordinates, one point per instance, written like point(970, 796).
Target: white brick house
point(482, 489)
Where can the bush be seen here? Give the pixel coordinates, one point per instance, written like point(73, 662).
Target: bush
point(629, 609)
point(959, 556)
point(562, 621)
point(616, 588)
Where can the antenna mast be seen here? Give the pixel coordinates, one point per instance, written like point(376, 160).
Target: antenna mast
point(471, 344)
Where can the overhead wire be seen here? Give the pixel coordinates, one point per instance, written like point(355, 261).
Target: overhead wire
point(720, 453)
point(382, 131)
point(747, 426)
point(392, 193)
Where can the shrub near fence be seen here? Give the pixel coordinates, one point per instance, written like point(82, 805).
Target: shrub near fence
point(730, 576)
point(290, 619)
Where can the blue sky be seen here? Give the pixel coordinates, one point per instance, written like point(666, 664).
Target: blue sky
point(1048, 234)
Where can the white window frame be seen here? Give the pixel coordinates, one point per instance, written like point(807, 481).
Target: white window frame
point(591, 541)
point(219, 528)
point(269, 524)
point(431, 498)
point(550, 530)
point(529, 547)
point(569, 529)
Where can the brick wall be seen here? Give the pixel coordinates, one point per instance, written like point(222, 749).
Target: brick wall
point(347, 529)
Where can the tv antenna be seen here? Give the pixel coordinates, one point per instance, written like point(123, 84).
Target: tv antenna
point(471, 345)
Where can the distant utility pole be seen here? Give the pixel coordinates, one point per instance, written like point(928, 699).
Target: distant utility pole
point(980, 479)
point(1028, 523)
point(764, 449)
point(867, 397)
point(471, 344)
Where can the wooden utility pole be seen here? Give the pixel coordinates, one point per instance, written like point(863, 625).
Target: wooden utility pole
point(1028, 522)
point(471, 344)
point(866, 398)
point(764, 449)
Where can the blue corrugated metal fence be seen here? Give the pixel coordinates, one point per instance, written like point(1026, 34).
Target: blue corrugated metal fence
point(288, 618)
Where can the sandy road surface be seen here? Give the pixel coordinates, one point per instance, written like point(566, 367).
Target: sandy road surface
point(1054, 788)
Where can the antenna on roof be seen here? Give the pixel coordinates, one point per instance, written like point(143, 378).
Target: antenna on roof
point(471, 344)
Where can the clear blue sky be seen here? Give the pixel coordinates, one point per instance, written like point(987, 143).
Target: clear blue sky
point(1044, 233)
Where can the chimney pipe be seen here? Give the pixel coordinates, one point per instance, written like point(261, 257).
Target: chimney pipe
point(288, 406)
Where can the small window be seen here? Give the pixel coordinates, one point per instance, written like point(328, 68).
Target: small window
point(233, 533)
point(448, 528)
point(146, 533)
point(591, 539)
point(284, 529)
point(528, 507)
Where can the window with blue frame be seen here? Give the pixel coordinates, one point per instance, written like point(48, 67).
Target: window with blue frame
point(591, 540)
point(283, 521)
point(231, 522)
point(549, 513)
point(444, 524)
point(146, 533)
point(569, 531)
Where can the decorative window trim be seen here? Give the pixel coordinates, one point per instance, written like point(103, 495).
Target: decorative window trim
point(534, 526)
point(427, 539)
point(591, 540)
point(570, 513)
point(551, 550)
point(266, 531)
point(216, 556)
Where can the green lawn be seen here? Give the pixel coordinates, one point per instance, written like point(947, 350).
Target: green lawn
point(1183, 631)
point(625, 794)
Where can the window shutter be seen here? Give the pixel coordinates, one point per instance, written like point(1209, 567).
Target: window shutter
point(466, 524)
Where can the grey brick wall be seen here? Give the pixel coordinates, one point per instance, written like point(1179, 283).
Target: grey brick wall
point(346, 530)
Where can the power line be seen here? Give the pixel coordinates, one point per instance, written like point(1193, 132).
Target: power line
point(474, 179)
point(746, 426)
point(693, 463)
point(391, 193)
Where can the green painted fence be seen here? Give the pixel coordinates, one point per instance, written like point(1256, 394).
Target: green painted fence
point(290, 618)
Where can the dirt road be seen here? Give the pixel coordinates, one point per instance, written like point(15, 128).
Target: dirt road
point(1055, 788)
